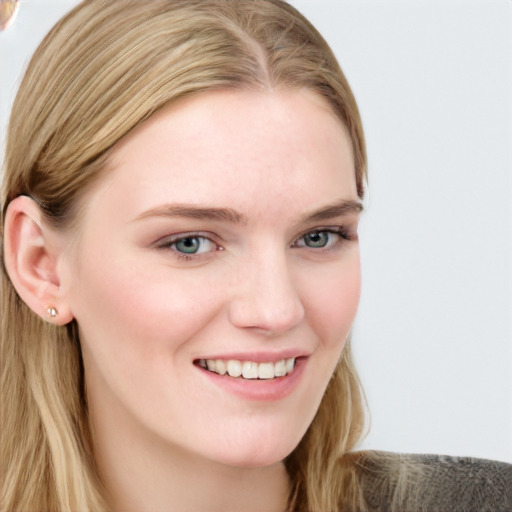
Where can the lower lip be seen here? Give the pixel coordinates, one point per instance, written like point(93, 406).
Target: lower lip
point(259, 389)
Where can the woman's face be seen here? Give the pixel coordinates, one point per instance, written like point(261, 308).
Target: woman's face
point(223, 234)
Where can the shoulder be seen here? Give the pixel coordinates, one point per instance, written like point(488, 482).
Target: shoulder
point(434, 483)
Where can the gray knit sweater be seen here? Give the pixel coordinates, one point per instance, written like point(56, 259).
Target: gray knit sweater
point(434, 483)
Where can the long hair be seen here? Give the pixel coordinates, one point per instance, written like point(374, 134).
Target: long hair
point(103, 70)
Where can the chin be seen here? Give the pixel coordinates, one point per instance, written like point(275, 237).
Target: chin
point(255, 461)
point(265, 451)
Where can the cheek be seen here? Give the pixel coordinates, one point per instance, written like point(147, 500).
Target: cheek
point(123, 306)
point(333, 306)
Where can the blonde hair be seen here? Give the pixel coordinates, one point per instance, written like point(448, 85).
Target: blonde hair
point(103, 70)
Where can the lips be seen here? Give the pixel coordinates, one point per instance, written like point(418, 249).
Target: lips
point(256, 376)
point(249, 370)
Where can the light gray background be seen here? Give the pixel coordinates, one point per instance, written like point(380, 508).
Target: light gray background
point(433, 338)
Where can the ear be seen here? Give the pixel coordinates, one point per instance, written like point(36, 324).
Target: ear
point(31, 255)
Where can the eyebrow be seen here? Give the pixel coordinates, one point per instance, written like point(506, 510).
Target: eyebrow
point(339, 209)
point(196, 212)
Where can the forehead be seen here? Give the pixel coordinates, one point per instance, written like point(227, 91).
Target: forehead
point(241, 146)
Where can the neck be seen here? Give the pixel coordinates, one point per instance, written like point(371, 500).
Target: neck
point(144, 474)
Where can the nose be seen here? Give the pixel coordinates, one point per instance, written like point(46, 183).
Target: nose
point(266, 298)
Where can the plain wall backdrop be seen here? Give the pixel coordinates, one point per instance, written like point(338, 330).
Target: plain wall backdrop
point(433, 338)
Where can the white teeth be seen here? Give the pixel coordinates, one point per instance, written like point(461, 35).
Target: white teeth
point(221, 367)
point(280, 368)
point(249, 369)
point(266, 371)
point(234, 368)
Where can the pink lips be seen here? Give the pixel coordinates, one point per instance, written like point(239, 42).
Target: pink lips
point(256, 389)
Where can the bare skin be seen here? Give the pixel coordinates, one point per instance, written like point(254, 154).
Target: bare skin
point(270, 271)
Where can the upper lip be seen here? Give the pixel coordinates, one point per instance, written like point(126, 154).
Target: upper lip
point(258, 356)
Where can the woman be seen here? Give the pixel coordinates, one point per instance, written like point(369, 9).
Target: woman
point(183, 183)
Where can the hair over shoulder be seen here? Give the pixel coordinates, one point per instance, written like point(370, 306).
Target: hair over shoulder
point(104, 69)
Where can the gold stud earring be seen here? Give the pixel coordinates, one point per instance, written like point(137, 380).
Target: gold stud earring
point(51, 312)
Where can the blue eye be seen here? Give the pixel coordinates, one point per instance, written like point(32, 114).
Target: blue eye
point(193, 245)
point(322, 239)
point(188, 245)
point(316, 239)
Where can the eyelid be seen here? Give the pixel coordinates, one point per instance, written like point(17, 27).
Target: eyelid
point(342, 231)
point(166, 242)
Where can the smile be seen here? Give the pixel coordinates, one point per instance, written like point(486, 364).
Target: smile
point(249, 369)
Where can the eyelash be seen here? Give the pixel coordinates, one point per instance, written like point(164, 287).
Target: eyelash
point(339, 231)
point(170, 242)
